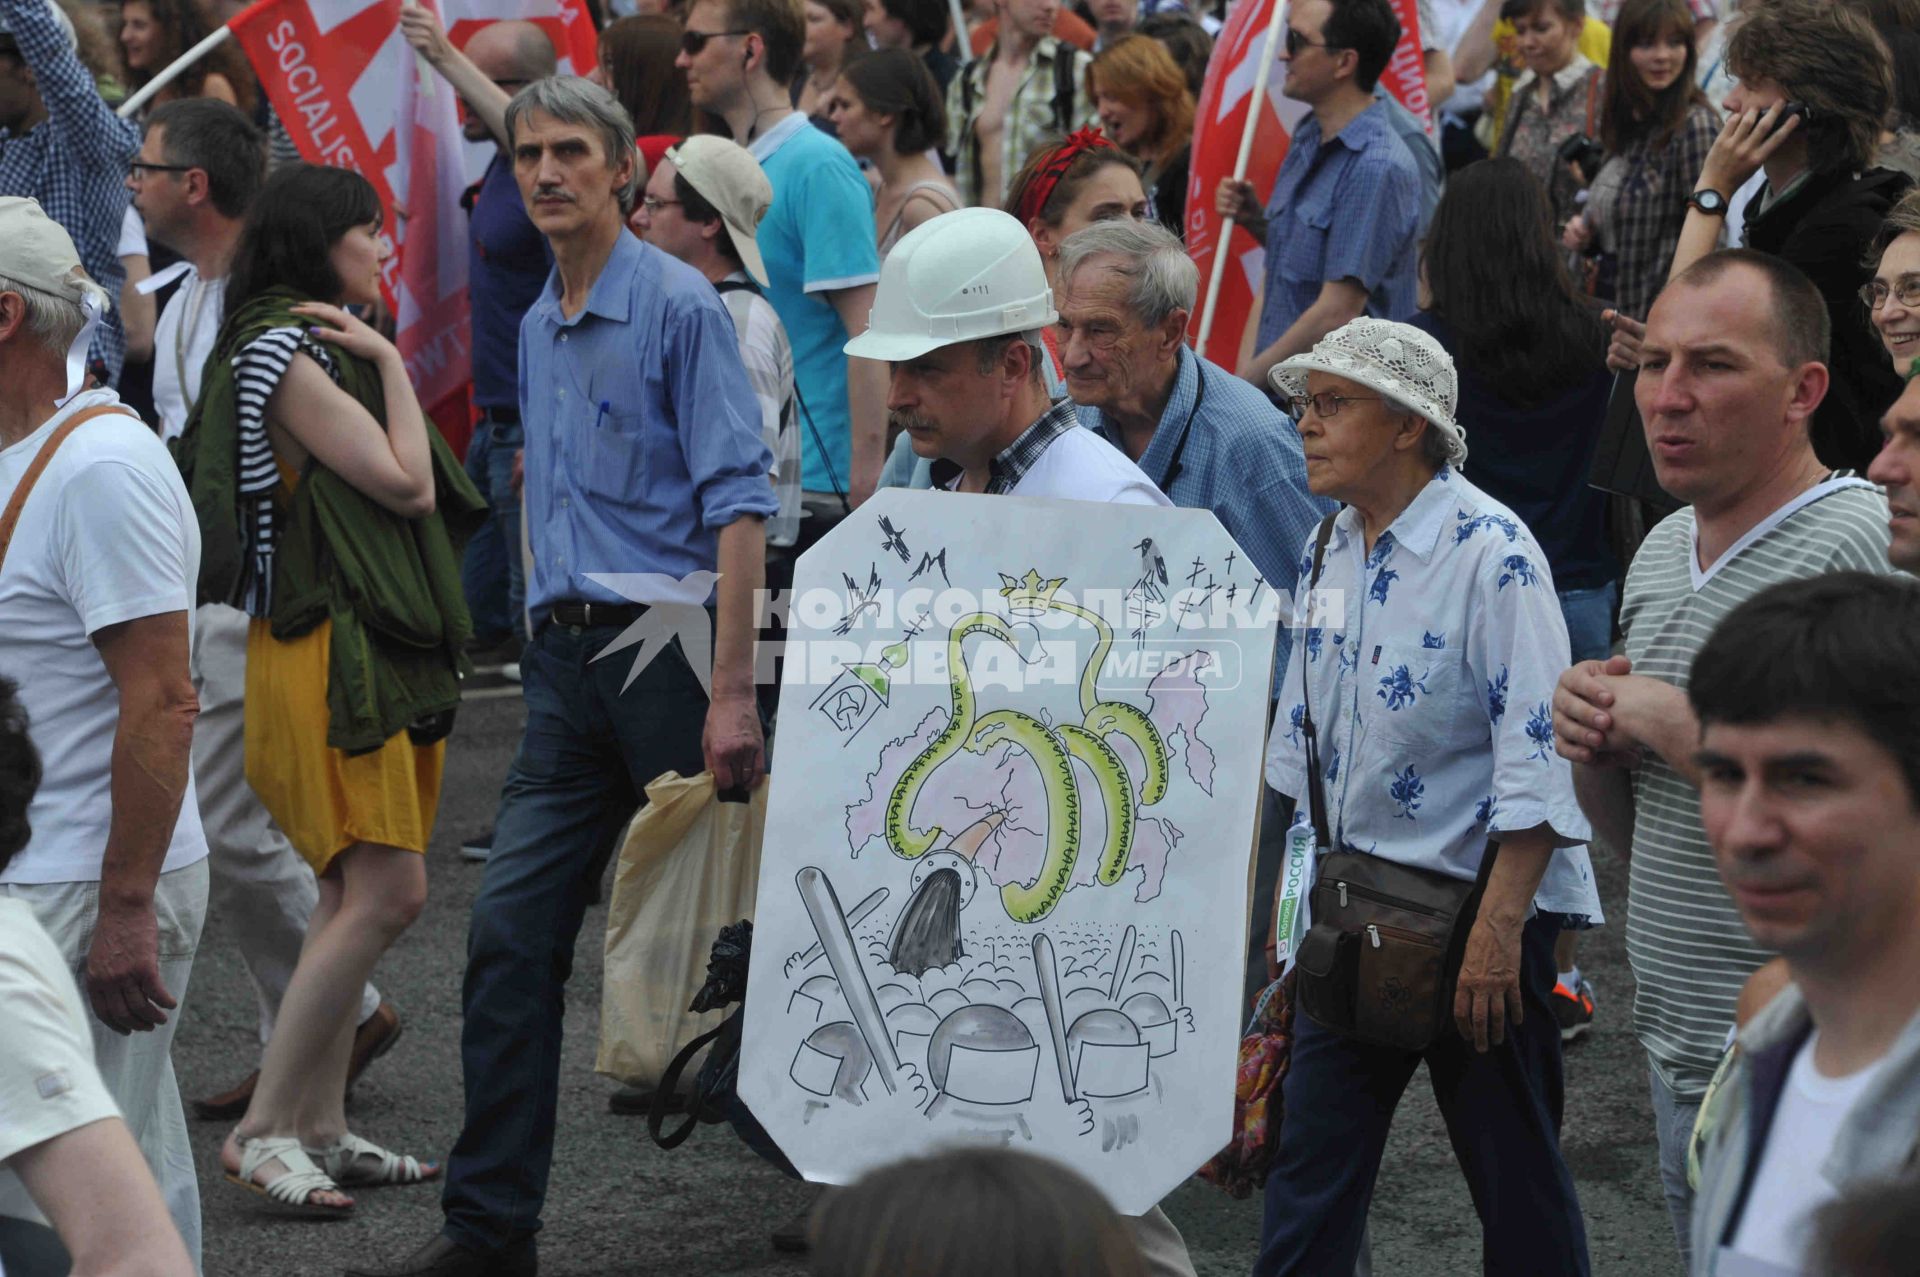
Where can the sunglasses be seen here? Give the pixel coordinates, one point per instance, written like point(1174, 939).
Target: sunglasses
point(1297, 42)
point(693, 42)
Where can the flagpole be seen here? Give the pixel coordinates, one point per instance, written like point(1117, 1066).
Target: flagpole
point(962, 41)
point(174, 71)
point(1224, 239)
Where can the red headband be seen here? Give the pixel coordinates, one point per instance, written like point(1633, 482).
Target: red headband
point(1041, 188)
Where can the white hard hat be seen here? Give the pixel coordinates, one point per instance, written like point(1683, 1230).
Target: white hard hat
point(964, 275)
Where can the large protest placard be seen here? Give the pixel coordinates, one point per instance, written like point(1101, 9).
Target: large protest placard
point(1003, 891)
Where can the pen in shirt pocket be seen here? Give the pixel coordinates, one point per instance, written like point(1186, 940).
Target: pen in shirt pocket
point(606, 406)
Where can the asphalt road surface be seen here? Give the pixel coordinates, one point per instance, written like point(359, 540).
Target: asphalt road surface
point(619, 1205)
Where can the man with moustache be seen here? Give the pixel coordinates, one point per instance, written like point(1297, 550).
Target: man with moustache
point(1731, 372)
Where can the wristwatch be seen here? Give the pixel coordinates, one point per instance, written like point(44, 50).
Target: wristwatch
point(1712, 203)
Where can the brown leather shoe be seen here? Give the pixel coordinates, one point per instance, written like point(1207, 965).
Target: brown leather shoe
point(372, 1040)
point(229, 1104)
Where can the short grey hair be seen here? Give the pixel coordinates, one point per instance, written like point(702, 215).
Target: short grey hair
point(572, 100)
point(1164, 277)
point(990, 350)
point(1435, 447)
point(54, 321)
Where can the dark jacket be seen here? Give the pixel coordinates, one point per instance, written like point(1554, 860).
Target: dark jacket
point(389, 584)
point(1824, 228)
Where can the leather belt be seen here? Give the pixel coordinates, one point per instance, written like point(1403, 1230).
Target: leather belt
point(502, 416)
point(587, 615)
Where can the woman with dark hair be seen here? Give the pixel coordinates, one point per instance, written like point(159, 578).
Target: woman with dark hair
point(1814, 93)
point(1657, 127)
point(921, 26)
point(153, 33)
point(637, 63)
point(333, 513)
point(1534, 384)
point(888, 112)
point(1141, 96)
point(1555, 101)
point(835, 36)
point(1186, 41)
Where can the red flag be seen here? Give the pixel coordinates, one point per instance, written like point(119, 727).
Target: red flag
point(352, 94)
point(1219, 120)
point(1406, 73)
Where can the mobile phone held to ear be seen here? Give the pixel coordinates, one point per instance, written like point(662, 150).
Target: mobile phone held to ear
point(1793, 110)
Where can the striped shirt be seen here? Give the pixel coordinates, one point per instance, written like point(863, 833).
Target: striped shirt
point(257, 371)
point(769, 362)
point(1689, 951)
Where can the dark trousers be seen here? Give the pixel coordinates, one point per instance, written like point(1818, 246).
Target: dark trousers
point(492, 575)
point(587, 755)
point(1502, 1111)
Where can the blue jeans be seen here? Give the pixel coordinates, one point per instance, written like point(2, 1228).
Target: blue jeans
point(1673, 1120)
point(492, 575)
point(1589, 615)
point(1502, 1111)
point(585, 760)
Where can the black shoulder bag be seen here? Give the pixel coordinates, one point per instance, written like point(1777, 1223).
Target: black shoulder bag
point(1382, 958)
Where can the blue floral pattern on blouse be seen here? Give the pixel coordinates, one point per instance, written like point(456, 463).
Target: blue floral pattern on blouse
point(1436, 634)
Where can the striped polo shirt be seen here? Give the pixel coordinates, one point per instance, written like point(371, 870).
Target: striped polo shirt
point(1689, 951)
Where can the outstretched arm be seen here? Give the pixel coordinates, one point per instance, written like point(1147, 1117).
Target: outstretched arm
point(483, 97)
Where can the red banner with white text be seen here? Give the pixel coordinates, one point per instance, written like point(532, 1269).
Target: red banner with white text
point(352, 93)
point(1406, 73)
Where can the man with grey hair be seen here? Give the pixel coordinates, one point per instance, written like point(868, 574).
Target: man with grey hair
point(1207, 438)
point(99, 565)
point(644, 465)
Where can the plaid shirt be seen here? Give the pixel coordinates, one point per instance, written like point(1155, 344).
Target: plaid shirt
point(1638, 204)
point(74, 162)
point(1030, 116)
point(1018, 457)
point(1534, 137)
point(1241, 459)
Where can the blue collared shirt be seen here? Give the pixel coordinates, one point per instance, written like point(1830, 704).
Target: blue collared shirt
point(643, 435)
point(1347, 207)
point(1241, 460)
point(1433, 674)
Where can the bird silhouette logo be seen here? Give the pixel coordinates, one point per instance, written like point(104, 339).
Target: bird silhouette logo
point(676, 608)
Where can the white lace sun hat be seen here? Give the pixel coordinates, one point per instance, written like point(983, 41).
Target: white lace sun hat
point(1398, 360)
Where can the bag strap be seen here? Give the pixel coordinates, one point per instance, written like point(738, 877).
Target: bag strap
point(10, 518)
point(670, 1085)
point(1316, 794)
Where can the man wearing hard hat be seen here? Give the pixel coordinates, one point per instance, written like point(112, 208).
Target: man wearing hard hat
point(957, 319)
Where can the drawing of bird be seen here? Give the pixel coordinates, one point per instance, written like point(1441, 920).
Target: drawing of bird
point(1153, 570)
point(931, 561)
point(896, 539)
point(859, 601)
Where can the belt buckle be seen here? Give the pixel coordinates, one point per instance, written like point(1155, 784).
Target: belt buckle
point(586, 615)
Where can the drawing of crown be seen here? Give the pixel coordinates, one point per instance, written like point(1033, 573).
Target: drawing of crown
point(1029, 595)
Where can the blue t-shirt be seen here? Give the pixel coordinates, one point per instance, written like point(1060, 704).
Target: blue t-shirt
point(817, 237)
point(507, 265)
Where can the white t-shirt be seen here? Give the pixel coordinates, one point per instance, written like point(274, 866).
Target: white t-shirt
point(1081, 466)
point(107, 535)
point(181, 343)
point(1777, 1221)
point(48, 1084)
point(133, 235)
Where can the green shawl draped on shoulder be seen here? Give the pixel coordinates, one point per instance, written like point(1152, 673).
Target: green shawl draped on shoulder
point(389, 584)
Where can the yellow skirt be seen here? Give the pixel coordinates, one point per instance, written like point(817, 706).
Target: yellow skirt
point(323, 799)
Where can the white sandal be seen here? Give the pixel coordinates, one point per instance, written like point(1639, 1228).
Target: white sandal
point(343, 1161)
point(293, 1190)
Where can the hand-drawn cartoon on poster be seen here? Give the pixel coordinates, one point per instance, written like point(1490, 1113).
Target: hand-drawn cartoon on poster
point(1003, 892)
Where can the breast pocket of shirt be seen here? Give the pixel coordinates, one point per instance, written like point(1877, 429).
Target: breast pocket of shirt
point(1303, 252)
point(1416, 697)
point(616, 458)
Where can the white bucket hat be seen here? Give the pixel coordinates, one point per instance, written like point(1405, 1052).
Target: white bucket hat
point(1398, 360)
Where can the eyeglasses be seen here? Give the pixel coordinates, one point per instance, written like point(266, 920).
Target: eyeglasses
point(653, 205)
point(1297, 42)
point(1326, 404)
point(692, 42)
point(1906, 291)
point(138, 171)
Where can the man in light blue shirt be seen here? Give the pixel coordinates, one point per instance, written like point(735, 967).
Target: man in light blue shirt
point(643, 459)
point(1428, 665)
point(1341, 226)
point(818, 241)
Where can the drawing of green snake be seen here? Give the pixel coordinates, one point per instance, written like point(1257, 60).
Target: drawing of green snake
point(1051, 751)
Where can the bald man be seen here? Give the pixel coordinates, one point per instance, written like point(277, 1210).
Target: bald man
point(507, 265)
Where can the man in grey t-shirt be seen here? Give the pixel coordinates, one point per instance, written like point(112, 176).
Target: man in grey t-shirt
point(1732, 368)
